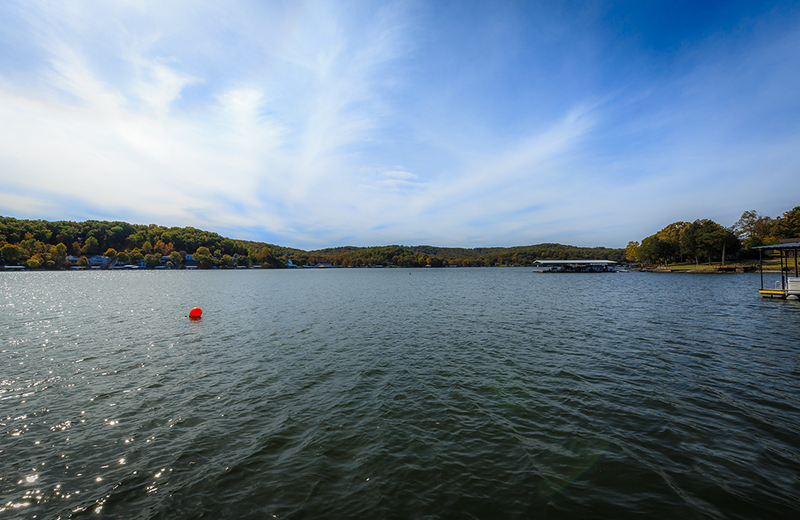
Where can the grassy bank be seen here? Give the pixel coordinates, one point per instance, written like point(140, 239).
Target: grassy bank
point(769, 265)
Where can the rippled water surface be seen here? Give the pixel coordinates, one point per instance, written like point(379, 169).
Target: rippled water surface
point(397, 393)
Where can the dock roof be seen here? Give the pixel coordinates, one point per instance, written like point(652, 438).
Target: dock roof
point(574, 262)
point(790, 245)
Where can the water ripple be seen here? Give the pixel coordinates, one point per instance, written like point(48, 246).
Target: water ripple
point(469, 393)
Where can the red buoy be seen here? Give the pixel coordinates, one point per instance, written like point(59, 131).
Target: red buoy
point(196, 313)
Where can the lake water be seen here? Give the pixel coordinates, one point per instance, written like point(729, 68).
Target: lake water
point(397, 393)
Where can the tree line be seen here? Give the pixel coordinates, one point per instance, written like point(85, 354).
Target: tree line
point(48, 245)
point(40, 244)
point(709, 241)
point(422, 256)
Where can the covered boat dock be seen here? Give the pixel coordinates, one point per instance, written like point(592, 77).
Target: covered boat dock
point(574, 266)
point(788, 285)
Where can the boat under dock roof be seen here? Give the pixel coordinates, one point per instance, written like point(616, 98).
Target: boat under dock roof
point(574, 266)
point(574, 262)
point(789, 286)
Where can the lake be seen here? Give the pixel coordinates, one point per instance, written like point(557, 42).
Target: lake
point(397, 393)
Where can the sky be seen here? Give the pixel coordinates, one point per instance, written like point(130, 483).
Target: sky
point(458, 124)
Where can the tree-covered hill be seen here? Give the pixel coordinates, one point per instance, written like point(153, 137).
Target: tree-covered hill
point(50, 244)
point(421, 256)
point(46, 244)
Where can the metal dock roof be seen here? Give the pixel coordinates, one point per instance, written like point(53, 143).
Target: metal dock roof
point(575, 262)
point(790, 245)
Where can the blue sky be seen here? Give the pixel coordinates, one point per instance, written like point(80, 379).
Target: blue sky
point(319, 124)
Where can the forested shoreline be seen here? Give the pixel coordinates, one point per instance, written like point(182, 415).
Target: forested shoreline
point(709, 241)
point(41, 244)
point(55, 245)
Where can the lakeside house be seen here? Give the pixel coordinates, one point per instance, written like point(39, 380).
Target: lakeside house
point(95, 262)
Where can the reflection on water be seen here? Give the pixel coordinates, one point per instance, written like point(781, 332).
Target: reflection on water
point(478, 393)
point(577, 460)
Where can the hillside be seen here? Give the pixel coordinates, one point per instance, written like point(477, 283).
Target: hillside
point(50, 244)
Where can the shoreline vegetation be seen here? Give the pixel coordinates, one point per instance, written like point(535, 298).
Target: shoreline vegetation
point(751, 266)
point(59, 245)
point(706, 246)
point(93, 244)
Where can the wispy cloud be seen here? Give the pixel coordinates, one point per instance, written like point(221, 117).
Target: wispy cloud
point(317, 124)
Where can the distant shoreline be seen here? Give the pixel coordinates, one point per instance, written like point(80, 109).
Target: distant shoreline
point(700, 270)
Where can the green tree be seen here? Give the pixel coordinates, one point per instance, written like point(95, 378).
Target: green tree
point(136, 239)
point(12, 254)
point(135, 256)
point(270, 260)
point(787, 226)
point(115, 236)
point(714, 240)
point(689, 241)
point(83, 262)
point(176, 259)
point(672, 234)
point(753, 225)
point(152, 260)
point(91, 246)
point(32, 246)
point(64, 233)
point(655, 249)
point(58, 254)
point(203, 257)
point(754, 230)
point(33, 263)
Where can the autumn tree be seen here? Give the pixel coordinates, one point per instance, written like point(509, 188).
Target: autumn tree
point(630, 251)
point(162, 248)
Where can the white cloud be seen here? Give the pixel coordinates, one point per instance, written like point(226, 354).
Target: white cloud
point(315, 122)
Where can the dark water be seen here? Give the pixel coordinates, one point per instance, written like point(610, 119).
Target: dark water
point(394, 393)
